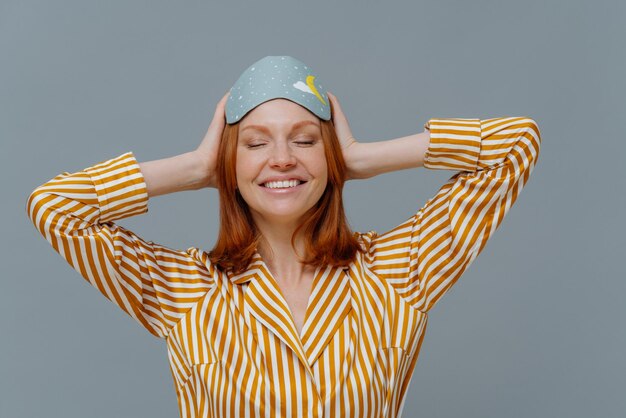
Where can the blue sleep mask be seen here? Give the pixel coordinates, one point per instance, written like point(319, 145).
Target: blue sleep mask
point(275, 77)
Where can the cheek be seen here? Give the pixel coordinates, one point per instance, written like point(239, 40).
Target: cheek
point(323, 173)
point(244, 168)
point(320, 166)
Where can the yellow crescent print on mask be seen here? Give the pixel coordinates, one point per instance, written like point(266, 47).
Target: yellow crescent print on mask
point(309, 82)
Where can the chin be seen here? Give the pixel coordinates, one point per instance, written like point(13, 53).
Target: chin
point(281, 217)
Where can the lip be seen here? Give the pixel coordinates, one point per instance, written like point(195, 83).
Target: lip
point(286, 190)
point(281, 178)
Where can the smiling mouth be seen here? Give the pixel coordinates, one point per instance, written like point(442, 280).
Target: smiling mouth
point(286, 184)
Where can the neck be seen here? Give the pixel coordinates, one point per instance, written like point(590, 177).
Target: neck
point(278, 254)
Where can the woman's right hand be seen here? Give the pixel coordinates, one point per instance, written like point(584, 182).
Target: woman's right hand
point(207, 150)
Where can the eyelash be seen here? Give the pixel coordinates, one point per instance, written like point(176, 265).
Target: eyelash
point(298, 142)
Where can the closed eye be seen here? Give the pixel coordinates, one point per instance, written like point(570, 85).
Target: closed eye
point(302, 143)
point(306, 143)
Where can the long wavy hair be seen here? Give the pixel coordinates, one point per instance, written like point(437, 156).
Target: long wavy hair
point(328, 239)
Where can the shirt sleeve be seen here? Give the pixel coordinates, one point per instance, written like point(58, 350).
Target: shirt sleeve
point(423, 257)
point(153, 284)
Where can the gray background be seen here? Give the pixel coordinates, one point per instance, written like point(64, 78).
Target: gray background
point(535, 327)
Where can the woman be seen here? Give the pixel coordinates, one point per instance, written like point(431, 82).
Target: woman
point(291, 314)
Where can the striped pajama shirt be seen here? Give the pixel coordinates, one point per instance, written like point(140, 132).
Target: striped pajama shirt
point(232, 344)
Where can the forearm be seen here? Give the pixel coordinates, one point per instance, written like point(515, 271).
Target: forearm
point(174, 174)
point(370, 159)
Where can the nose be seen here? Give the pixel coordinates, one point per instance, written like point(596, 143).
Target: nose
point(282, 156)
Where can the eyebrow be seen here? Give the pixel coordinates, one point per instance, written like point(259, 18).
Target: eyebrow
point(293, 128)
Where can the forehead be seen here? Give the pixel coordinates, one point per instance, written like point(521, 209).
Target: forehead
point(279, 113)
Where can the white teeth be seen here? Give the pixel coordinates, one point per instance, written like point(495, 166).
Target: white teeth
point(282, 184)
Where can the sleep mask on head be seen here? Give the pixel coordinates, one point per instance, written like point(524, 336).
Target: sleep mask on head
point(276, 77)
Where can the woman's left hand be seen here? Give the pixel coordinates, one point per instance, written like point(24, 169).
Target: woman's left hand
point(349, 145)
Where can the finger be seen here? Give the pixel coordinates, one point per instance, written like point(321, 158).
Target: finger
point(337, 111)
point(342, 127)
point(220, 108)
point(333, 99)
point(222, 103)
point(336, 108)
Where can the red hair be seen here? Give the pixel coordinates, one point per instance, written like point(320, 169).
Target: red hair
point(328, 240)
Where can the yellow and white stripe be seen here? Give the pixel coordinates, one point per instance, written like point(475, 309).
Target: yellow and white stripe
point(232, 343)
